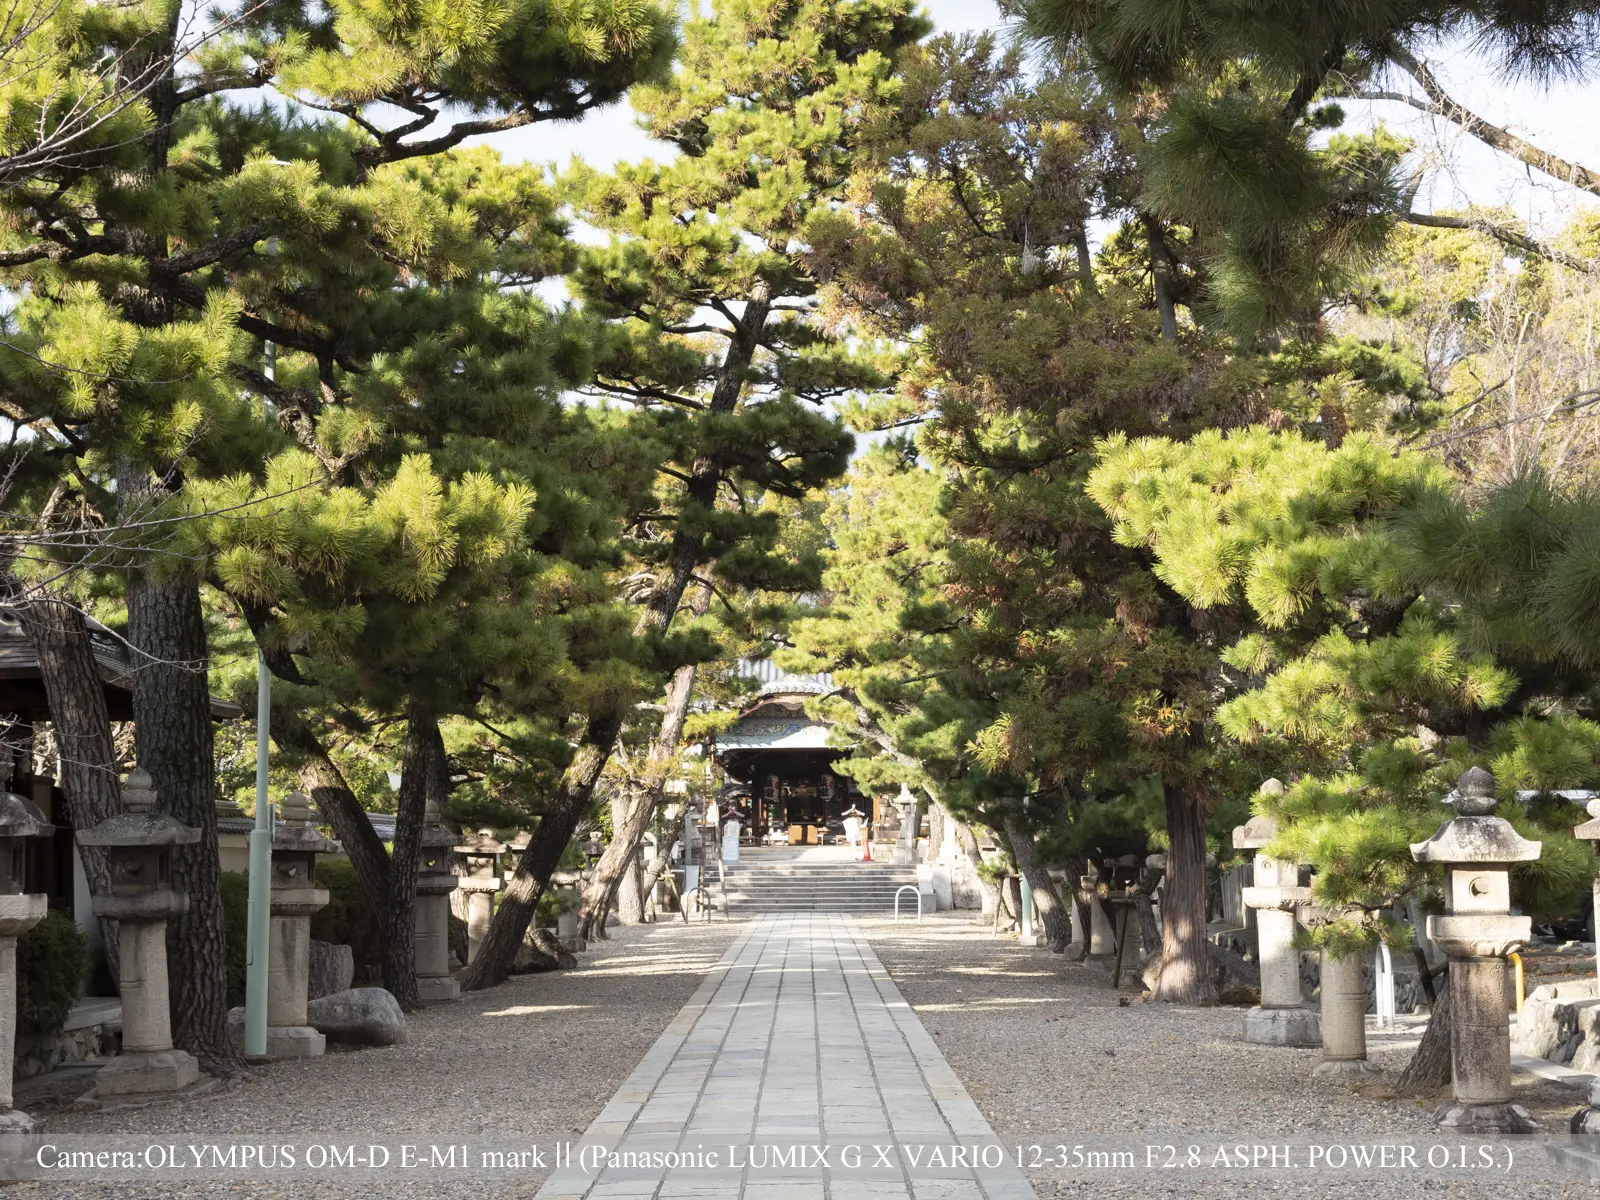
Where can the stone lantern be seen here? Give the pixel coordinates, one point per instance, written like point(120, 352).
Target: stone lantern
point(138, 846)
point(1101, 933)
point(1477, 932)
point(1281, 1019)
point(478, 857)
point(295, 898)
point(19, 912)
point(435, 882)
point(1589, 831)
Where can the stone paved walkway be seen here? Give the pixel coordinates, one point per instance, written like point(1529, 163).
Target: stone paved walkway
point(797, 1040)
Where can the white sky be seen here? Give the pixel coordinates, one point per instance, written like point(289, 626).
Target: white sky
point(1559, 118)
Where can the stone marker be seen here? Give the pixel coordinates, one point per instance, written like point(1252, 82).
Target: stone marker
point(478, 858)
point(1477, 932)
point(332, 969)
point(359, 1016)
point(1281, 1019)
point(435, 882)
point(1102, 935)
point(138, 843)
point(19, 912)
point(295, 897)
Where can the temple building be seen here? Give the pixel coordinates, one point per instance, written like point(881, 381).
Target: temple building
point(780, 766)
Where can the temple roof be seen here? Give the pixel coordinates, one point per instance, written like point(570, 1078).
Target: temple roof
point(22, 693)
point(774, 733)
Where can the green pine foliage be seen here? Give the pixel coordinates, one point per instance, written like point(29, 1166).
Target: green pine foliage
point(1353, 673)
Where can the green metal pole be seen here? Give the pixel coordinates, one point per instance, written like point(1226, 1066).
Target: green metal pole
point(1027, 892)
point(259, 933)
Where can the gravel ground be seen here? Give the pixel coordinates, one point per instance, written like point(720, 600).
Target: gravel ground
point(1047, 1050)
point(1053, 1056)
point(534, 1060)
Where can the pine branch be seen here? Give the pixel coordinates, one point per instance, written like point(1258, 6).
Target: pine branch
point(1502, 233)
point(1440, 103)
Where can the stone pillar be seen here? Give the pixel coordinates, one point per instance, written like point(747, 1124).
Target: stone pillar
point(1102, 937)
point(295, 899)
point(905, 846)
point(19, 912)
point(1281, 1019)
point(1344, 1016)
point(138, 844)
point(1477, 932)
point(478, 875)
point(435, 882)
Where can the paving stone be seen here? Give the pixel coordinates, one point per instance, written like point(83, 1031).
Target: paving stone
point(799, 1037)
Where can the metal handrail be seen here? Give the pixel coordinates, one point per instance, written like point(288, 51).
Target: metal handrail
point(915, 891)
point(1383, 988)
point(705, 899)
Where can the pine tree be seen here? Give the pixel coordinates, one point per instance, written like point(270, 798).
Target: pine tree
point(154, 266)
point(1355, 673)
point(712, 308)
point(1243, 98)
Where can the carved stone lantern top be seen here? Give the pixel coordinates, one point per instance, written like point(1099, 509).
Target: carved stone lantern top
point(138, 824)
point(21, 818)
point(296, 833)
point(480, 860)
point(434, 875)
point(1475, 838)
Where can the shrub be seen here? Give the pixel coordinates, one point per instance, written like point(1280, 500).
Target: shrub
point(52, 960)
point(349, 920)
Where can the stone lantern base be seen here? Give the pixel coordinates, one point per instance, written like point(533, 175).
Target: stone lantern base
point(1485, 1118)
point(294, 1041)
point(138, 1076)
point(18, 1122)
point(434, 989)
point(1283, 1027)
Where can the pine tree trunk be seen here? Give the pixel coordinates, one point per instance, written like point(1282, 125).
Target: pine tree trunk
point(1080, 243)
point(527, 884)
point(172, 728)
point(1162, 274)
point(322, 780)
point(60, 638)
point(1046, 900)
point(1077, 868)
point(641, 798)
point(1429, 1068)
point(1185, 961)
point(421, 773)
point(630, 899)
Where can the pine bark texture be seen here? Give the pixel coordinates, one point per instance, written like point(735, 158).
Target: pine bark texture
point(1429, 1068)
point(1185, 973)
point(1046, 900)
point(422, 771)
point(60, 638)
point(528, 882)
point(640, 798)
point(322, 780)
point(172, 729)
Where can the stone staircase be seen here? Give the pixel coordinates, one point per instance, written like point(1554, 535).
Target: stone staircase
point(775, 882)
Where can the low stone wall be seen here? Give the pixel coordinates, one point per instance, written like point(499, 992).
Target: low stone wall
point(88, 1042)
point(1561, 1022)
